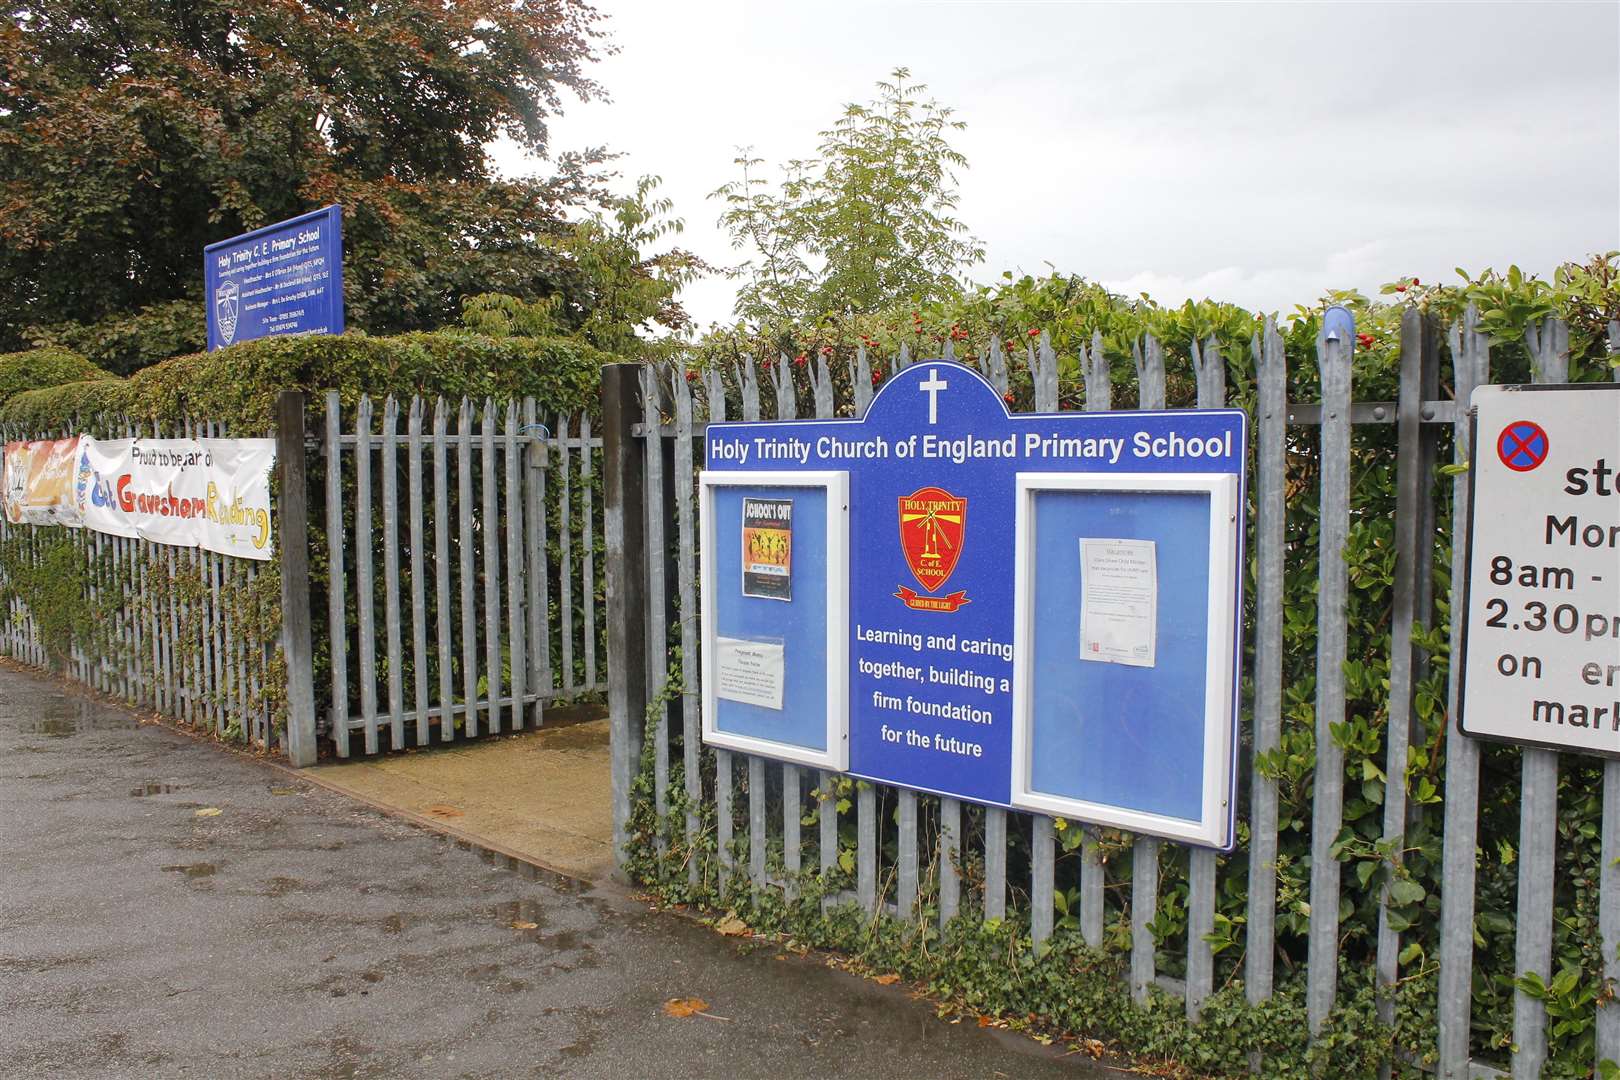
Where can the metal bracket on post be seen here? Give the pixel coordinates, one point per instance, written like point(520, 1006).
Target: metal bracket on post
point(292, 528)
point(539, 456)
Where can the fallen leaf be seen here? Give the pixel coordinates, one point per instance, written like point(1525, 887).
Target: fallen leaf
point(525, 926)
point(731, 926)
point(1090, 1047)
point(985, 1021)
point(439, 810)
point(209, 811)
point(284, 791)
point(681, 1008)
point(887, 980)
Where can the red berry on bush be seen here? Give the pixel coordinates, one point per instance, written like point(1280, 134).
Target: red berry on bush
point(1034, 333)
point(1007, 397)
point(877, 377)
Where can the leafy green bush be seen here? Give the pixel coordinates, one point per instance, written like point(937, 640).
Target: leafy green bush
point(239, 386)
point(129, 341)
point(38, 368)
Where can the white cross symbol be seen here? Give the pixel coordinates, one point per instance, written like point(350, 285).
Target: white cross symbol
point(932, 387)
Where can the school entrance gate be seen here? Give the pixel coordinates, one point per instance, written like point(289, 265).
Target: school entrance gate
point(441, 565)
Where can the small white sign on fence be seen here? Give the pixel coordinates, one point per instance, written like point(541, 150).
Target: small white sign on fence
point(1541, 652)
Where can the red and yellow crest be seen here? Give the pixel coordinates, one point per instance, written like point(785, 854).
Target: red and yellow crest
point(933, 526)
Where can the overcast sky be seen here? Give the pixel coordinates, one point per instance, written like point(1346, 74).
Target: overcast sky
point(1257, 153)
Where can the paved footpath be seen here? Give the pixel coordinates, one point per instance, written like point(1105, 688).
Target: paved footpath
point(297, 933)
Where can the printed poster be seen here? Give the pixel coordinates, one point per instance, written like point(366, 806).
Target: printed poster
point(39, 478)
point(750, 672)
point(1119, 601)
point(767, 548)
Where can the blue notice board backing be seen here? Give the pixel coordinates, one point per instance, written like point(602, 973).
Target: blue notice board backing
point(1028, 610)
point(285, 278)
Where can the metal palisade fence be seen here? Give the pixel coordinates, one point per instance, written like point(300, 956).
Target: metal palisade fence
point(915, 853)
point(438, 572)
point(179, 630)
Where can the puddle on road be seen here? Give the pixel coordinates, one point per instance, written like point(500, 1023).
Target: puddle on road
point(510, 863)
point(192, 870)
point(153, 788)
point(60, 717)
point(524, 916)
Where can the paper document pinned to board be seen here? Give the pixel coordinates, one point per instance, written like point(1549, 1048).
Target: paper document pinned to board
point(750, 672)
point(1119, 601)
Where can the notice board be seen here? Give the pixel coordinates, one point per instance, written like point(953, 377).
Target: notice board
point(283, 279)
point(933, 625)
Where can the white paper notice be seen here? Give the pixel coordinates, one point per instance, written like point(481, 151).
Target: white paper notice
point(1119, 601)
point(749, 672)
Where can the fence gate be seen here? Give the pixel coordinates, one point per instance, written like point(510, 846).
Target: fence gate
point(462, 568)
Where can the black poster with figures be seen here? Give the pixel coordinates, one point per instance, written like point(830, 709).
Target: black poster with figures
point(767, 548)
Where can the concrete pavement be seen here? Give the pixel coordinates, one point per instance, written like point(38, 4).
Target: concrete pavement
point(298, 933)
point(543, 795)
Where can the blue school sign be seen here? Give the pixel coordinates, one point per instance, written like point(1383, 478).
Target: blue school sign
point(1038, 611)
point(285, 278)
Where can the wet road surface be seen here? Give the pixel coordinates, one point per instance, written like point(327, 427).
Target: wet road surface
point(296, 933)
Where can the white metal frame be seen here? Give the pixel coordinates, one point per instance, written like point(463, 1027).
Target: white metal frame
point(1216, 826)
point(836, 484)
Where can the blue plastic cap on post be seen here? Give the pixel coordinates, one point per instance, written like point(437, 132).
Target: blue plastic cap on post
point(1338, 324)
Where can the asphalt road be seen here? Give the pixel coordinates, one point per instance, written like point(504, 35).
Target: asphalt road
point(296, 933)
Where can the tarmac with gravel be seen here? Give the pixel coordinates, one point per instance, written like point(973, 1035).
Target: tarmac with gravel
point(171, 908)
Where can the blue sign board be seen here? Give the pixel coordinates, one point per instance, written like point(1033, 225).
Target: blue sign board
point(285, 278)
point(1033, 610)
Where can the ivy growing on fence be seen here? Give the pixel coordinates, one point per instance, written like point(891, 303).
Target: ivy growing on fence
point(993, 968)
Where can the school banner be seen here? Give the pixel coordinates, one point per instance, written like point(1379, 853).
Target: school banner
point(39, 482)
point(208, 493)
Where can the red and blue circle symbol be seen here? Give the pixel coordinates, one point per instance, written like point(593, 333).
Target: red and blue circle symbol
point(1523, 445)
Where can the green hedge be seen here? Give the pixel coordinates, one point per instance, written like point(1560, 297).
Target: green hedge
point(36, 368)
point(238, 386)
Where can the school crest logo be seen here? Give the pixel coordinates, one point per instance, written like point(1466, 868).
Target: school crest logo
point(933, 528)
point(226, 309)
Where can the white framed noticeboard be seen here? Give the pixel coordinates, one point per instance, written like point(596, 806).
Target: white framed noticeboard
point(774, 566)
point(1125, 651)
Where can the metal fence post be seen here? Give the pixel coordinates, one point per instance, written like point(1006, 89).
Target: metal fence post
point(293, 510)
point(1335, 353)
point(624, 532)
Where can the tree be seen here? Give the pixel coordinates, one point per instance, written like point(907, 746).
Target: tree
point(623, 293)
point(132, 135)
point(868, 222)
